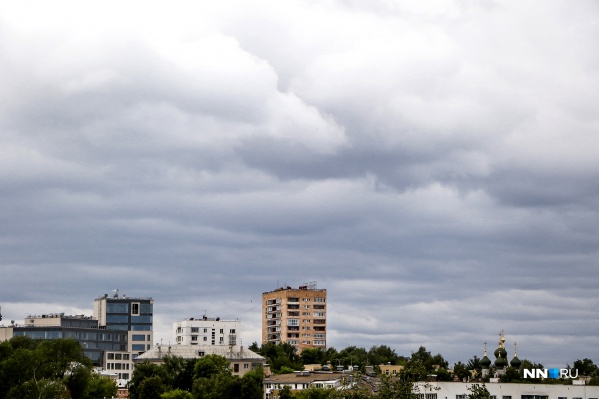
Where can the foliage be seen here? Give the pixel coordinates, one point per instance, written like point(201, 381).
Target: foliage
point(46, 368)
point(384, 355)
point(211, 365)
point(176, 394)
point(281, 355)
point(586, 367)
point(461, 371)
point(151, 388)
point(101, 387)
point(478, 392)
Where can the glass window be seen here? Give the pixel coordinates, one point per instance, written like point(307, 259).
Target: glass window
point(117, 308)
point(138, 347)
point(135, 309)
point(113, 318)
point(138, 337)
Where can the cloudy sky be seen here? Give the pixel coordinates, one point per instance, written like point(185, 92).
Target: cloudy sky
point(434, 165)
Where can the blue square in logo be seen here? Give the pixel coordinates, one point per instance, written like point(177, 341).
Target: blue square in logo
point(553, 373)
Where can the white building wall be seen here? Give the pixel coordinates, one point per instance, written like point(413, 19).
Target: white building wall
point(207, 331)
point(456, 390)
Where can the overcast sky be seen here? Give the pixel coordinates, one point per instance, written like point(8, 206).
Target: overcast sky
point(434, 165)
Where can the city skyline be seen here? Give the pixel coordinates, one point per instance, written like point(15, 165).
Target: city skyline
point(433, 165)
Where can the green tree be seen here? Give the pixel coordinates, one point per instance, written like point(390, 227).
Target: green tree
point(285, 393)
point(383, 355)
point(586, 367)
point(101, 387)
point(251, 384)
point(478, 392)
point(77, 381)
point(461, 371)
point(211, 365)
point(143, 371)
point(39, 389)
point(151, 388)
point(313, 356)
point(176, 394)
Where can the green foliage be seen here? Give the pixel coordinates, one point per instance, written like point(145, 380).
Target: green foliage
point(285, 393)
point(461, 371)
point(586, 367)
point(478, 392)
point(211, 365)
point(176, 394)
point(352, 356)
point(384, 355)
point(77, 381)
point(313, 356)
point(397, 388)
point(101, 387)
point(151, 388)
point(43, 368)
point(39, 389)
point(281, 355)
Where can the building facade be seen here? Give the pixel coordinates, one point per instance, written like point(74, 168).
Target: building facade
point(207, 331)
point(131, 314)
point(296, 316)
point(460, 390)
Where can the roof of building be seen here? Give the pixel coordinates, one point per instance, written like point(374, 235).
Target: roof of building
point(193, 352)
point(301, 377)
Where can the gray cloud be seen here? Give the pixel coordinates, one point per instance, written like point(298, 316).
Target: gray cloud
point(433, 165)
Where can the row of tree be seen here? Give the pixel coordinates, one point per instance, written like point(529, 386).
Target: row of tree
point(52, 369)
point(209, 377)
point(283, 358)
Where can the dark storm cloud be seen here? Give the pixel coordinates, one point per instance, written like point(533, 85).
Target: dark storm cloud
point(433, 165)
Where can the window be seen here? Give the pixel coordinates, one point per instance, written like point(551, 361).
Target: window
point(125, 356)
point(293, 322)
point(319, 299)
point(205, 330)
point(138, 347)
point(319, 314)
point(232, 331)
point(246, 366)
point(135, 309)
point(222, 331)
point(222, 339)
point(236, 367)
point(118, 356)
point(138, 337)
point(319, 342)
point(200, 353)
point(195, 329)
point(306, 299)
point(194, 337)
point(205, 338)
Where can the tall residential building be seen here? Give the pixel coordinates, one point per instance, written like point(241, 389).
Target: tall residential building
point(206, 331)
point(131, 314)
point(296, 316)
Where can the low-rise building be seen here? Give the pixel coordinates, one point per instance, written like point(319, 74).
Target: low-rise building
point(300, 380)
point(241, 359)
point(460, 390)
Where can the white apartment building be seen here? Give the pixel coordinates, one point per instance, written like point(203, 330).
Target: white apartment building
point(207, 331)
